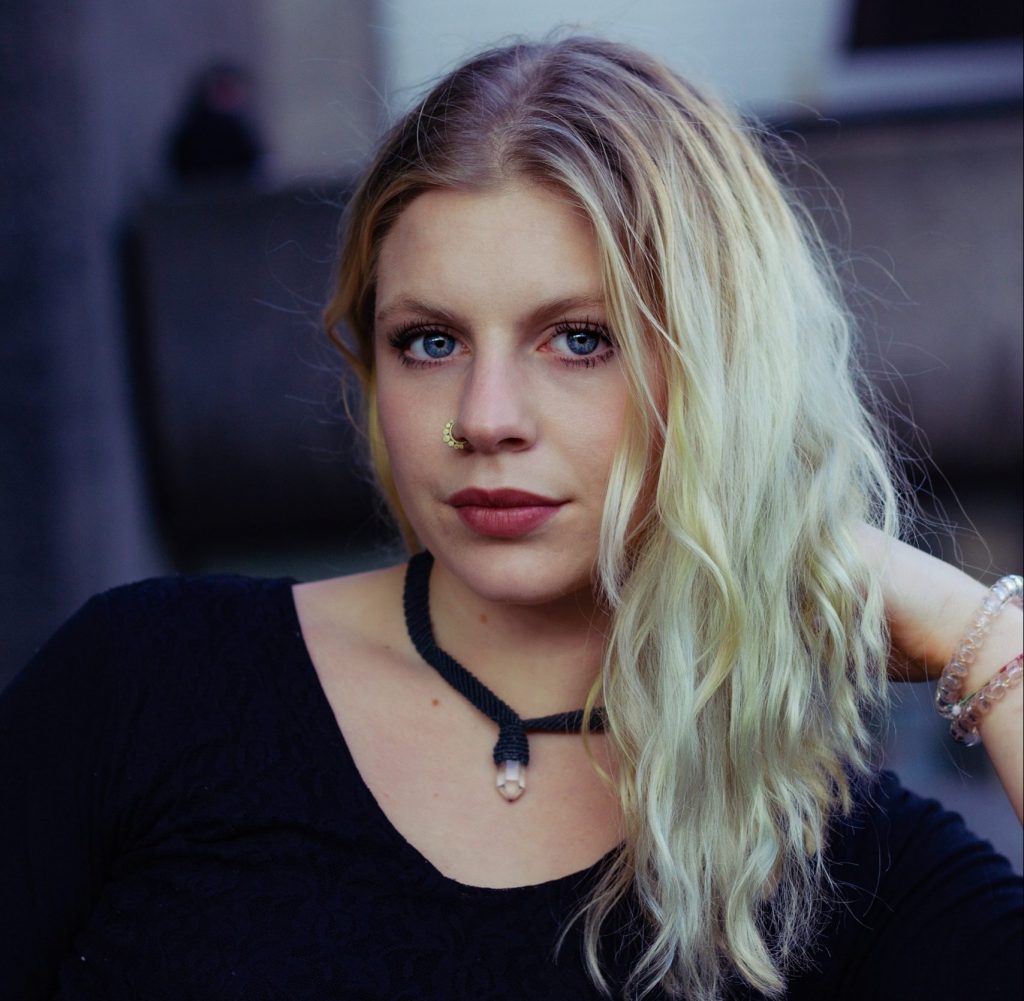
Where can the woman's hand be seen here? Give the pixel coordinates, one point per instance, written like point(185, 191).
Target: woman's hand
point(929, 605)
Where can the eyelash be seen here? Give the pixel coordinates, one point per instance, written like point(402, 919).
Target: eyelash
point(402, 337)
point(587, 326)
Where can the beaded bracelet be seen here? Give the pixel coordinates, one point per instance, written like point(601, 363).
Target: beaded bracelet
point(974, 708)
point(948, 693)
point(949, 700)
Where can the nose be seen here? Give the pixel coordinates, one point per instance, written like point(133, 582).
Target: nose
point(495, 412)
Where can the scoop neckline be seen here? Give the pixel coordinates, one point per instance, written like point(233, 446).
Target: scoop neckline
point(327, 725)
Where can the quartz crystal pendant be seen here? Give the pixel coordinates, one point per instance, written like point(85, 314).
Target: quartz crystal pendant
point(511, 779)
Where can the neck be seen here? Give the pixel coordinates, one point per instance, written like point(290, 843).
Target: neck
point(538, 658)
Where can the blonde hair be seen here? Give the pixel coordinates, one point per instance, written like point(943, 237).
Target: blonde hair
point(747, 647)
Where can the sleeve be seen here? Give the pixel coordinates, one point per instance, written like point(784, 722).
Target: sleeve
point(58, 766)
point(927, 910)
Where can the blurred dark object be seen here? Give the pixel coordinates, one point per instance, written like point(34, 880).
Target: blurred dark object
point(892, 24)
point(247, 438)
point(216, 137)
point(923, 212)
point(929, 239)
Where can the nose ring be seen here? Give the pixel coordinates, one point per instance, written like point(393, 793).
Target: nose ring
point(449, 439)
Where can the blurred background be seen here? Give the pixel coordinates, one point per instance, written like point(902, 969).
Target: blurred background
point(171, 178)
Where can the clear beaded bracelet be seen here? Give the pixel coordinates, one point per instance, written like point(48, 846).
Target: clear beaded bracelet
point(949, 700)
point(973, 709)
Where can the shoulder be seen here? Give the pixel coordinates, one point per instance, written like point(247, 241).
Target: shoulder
point(192, 598)
point(911, 883)
point(894, 831)
point(907, 849)
point(176, 613)
point(155, 627)
point(171, 599)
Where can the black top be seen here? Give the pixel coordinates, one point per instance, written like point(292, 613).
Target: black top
point(180, 818)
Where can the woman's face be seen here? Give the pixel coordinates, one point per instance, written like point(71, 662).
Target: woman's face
point(490, 311)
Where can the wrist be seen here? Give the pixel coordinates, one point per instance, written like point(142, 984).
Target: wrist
point(1006, 640)
point(985, 665)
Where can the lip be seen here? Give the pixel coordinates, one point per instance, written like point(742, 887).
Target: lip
point(503, 514)
point(505, 498)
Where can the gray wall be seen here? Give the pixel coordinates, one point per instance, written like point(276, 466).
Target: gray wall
point(73, 514)
point(932, 240)
point(87, 93)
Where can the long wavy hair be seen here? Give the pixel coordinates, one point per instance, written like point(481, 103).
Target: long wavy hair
point(747, 648)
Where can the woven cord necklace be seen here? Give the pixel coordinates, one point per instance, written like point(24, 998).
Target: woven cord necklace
point(512, 751)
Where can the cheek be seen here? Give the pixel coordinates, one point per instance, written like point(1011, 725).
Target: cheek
point(411, 434)
point(604, 429)
point(393, 409)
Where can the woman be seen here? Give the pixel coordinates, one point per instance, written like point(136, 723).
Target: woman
point(609, 401)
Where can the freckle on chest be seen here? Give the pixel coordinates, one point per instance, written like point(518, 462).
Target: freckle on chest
point(483, 618)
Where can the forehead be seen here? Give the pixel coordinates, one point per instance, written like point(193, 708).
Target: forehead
point(490, 251)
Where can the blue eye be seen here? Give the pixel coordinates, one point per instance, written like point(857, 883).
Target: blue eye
point(416, 346)
point(582, 342)
point(437, 345)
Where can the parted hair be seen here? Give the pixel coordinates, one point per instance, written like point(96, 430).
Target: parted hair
point(745, 661)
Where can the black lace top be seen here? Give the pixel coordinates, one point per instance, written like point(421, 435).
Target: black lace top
point(180, 819)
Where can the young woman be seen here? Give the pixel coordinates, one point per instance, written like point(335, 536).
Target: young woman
point(608, 732)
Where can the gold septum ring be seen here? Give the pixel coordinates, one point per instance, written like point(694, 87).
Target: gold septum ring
point(449, 439)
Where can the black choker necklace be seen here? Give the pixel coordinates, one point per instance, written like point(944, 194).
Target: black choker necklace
point(512, 751)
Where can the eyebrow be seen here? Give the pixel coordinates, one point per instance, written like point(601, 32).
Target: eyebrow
point(544, 311)
point(410, 304)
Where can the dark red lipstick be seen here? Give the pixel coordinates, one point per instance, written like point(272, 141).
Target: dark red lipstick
point(503, 514)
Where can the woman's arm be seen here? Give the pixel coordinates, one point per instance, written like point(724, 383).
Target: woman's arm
point(55, 729)
point(929, 605)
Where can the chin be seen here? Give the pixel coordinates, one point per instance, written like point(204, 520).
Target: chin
point(516, 573)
